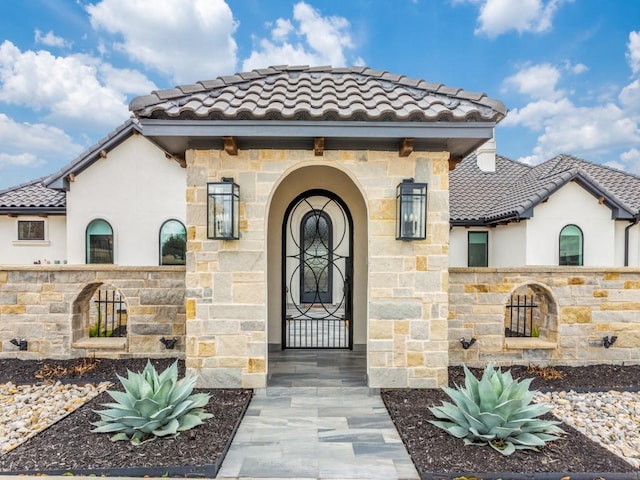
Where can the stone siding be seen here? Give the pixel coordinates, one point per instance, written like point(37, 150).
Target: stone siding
point(227, 305)
point(581, 305)
point(47, 305)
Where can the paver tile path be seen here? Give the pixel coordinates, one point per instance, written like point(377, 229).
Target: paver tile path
point(335, 429)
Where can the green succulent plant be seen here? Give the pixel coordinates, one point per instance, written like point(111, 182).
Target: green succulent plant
point(496, 410)
point(152, 405)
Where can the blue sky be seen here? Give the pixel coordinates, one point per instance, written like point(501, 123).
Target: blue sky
point(568, 70)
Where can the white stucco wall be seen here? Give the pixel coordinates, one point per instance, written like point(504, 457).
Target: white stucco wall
point(508, 248)
point(506, 245)
point(634, 245)
point(26, 252)
point(136, 189)
point(571, 205)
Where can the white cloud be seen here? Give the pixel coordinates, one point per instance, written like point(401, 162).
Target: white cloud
point(310, 39)
point(50, 39)
point(73, 90)
point(20, 160)
point(501, 16)
point(630, 161)
point(633, 51)
point(536, 81)
point(535, 114)
point(630, 98)
point(576, 68)
point(189, 40)
point(31, 145)
point(565, 127)
point(282, 29)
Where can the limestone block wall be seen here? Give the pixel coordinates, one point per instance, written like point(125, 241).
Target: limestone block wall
point(408, 280)
point(401, 287)
point(47, 305)
point(581, 306)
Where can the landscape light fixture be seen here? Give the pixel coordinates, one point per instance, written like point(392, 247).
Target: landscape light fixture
point(21, 344)
point(467, 343)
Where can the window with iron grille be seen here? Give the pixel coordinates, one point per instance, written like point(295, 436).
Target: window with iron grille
point(30, 229)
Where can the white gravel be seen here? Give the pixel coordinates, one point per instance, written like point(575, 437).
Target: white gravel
point(610, 418)
point(26, 410)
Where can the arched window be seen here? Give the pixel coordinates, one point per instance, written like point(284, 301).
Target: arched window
point(173, 243)
point(99, 242)
point(571, 247)
point(316, 257)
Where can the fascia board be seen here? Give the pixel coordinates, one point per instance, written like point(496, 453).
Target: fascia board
point(288, 129)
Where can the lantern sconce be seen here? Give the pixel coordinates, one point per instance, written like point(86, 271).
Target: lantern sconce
point(411, 210)
point(223, 210)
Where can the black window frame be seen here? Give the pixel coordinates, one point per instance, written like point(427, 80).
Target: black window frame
point(87, 250)
point(580, 262)
point(20, 232)
point(486, 248)
point(161, 245)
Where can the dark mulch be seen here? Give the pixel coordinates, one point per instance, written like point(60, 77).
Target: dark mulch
point(434, 451)
point(69, 445)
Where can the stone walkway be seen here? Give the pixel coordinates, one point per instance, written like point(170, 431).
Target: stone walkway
point(317, 419)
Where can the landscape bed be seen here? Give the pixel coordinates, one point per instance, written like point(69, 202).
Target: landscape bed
point(70, 446)
point(438, 455)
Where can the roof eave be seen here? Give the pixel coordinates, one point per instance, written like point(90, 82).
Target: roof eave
point(298, 128)
point(459, 138)
point(60, 181)
point(33, 211)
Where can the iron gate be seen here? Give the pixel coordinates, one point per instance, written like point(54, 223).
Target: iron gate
point(317, 273)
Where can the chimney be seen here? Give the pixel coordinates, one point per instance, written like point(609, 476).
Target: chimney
point(486, 156)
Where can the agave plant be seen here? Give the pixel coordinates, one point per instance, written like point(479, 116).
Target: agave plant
point(152, 406)
point(496, 410)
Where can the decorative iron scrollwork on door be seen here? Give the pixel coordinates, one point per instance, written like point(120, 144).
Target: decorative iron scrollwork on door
point(317, 273)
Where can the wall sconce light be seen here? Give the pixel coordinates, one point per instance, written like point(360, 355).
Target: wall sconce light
point(411, 210)
point(223, 208)
point(608, 341)
point(467, 343)
point(21, 344)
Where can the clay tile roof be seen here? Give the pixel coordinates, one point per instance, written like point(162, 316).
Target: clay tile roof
point(32, 196)
point(318, 93)
point(514, 188)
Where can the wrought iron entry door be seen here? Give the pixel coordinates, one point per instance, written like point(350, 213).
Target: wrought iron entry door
point(317, 273)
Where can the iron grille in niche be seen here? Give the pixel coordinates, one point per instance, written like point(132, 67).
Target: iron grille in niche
point(521, 314)
point(111, 315)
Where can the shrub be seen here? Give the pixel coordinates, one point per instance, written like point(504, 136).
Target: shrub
point(496, 410)
point(152, 406)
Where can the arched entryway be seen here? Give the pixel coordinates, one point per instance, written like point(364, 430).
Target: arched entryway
point(317, 272)
point(319, 198)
